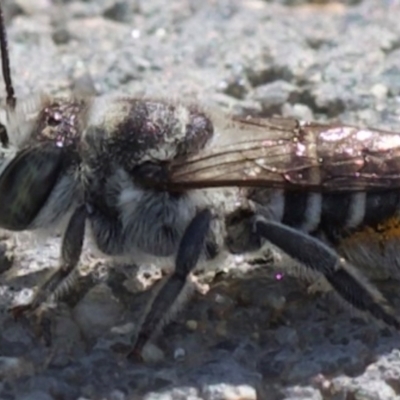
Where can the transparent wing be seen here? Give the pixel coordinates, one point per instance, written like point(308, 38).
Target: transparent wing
point(290, 154)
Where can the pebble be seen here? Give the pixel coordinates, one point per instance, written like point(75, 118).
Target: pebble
point(179, 354)
point(119, 11)
point(363, 388)
point(192, 324)
point(97, 312)
point(125, 329)
point(273, 95)
point(144, 279)
point(13, 367)
point(287, 336)
point(36, 395)
point(303, 393)
point(299, 111)
point(117, 395)
point(380, 91)
point(152, 354)
point(61, 35)
point(33, 7)
point(374, 390)
point(224, 391)
point(184, 393)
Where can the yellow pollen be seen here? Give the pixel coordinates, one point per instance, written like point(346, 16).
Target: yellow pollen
point(384, 232)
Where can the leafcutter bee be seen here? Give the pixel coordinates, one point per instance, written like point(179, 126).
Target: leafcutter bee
point(159, 181)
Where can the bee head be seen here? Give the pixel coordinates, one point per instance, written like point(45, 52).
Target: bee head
point(29, 169)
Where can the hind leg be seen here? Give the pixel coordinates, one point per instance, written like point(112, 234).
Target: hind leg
point(338, 272)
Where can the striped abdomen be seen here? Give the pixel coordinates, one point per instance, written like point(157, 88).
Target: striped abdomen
point(363, 226)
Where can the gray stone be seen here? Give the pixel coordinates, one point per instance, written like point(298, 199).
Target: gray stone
point(97, 312)
point(36, 395)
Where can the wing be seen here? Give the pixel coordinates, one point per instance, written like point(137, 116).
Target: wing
point(290, 154)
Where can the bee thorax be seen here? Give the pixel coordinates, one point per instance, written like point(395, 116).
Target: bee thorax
point(148, 222)
point(133, 131)
point(156, 222)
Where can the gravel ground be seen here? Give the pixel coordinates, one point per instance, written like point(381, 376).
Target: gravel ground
point(250, 336)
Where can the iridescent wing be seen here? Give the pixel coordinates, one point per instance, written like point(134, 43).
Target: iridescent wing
point(290, 154)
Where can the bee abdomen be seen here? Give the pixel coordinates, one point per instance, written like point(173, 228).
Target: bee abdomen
point(380, 206)
point(336, 214)
point(341, 212)
point(302, 210)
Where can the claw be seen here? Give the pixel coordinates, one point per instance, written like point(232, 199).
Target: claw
point(135, 355)
point(18, 311)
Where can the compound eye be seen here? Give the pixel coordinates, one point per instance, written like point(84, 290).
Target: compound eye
point(26, 183)
point(3, 136)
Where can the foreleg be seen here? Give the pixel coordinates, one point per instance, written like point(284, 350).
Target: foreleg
point(58, 282)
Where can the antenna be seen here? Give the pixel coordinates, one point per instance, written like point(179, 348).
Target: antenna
point(5, 64)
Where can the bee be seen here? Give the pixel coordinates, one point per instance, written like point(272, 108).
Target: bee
point(156, 181)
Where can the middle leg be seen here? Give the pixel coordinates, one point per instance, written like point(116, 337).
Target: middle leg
point(191, 247)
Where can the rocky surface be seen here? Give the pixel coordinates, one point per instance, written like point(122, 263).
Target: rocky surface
point(251, 335)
